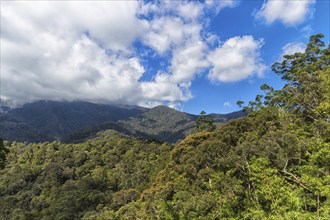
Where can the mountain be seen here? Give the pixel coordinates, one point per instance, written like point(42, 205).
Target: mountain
point(78, 121)
point(166, 124)
point(161, 123)
point(51, 120)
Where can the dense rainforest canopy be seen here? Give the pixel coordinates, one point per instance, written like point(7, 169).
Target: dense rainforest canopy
point(272, 164)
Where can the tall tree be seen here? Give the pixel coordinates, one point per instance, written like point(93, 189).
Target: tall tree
point(307, 81)
point(204, 122)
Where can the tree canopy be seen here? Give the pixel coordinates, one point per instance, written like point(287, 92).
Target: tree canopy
point(3, 152)
point(204, 122)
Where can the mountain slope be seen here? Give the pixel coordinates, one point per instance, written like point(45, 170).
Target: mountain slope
point(161, 123)
point(78, 121)
point(51, 120)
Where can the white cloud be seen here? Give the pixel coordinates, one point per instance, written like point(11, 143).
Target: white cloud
point(85, 72)
point(290, 12)
point(176, 37)
point(188, 61)
point(190, 11)
point(212, 39)
point(180, 38)
point(217, 5)
point(307, 31)
point(292, 48)
point(227, 104)
point(162, 89)
point(78, 50)
point(236, 59)
point(51, 50)
point(164, 33)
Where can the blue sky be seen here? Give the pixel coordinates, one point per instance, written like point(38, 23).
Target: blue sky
point(193, 56)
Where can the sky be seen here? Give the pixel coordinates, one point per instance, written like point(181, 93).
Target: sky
point(190, 55)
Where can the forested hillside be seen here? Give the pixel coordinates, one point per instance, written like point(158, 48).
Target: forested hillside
point(272, 164)
point(51, 120)
point(74, 122)
point(67, 181)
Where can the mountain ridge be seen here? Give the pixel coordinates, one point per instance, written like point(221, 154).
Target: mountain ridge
point(75, 121)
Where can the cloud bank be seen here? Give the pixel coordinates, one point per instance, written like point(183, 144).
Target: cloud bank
point(80, 50)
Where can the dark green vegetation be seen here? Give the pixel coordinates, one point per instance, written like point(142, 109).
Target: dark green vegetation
point(68, 181)
point(77, 121)
point(272, 164)
point(3, 153)
point(205, 123)
point(49, 120)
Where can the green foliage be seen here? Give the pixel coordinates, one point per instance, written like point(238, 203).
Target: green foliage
point(69, 181)
point(306, 93)
point(305, 77)
point(204, 123)
point(3, 152)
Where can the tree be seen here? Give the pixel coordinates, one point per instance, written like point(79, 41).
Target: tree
point(240, 103)
point(307, 77)
point(204, 122)
point(306, 93)
point(3, 152)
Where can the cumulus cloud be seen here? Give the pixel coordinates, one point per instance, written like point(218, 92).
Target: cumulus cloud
point(190, 11)
point(80, 50)
point(217, 5)
point(188, 60)
point(292, 48)
point(236, 59)
point(288, 12)
point(169, 91)
point(51, 50)
point(165, 33)
point(85, 72)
